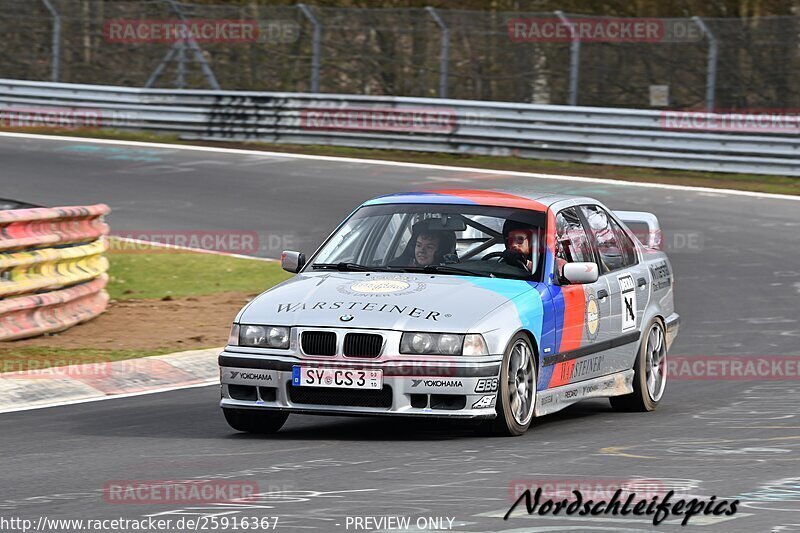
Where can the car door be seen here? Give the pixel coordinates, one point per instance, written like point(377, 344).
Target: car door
point(627, 280)
point(582, 317)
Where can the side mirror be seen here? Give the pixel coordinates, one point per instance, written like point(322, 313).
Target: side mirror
point(580, 273)
point(292, 261)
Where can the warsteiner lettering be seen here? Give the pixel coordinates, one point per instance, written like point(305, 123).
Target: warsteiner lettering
point(407, 310)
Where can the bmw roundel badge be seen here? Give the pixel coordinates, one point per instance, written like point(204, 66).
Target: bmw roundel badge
point(346, 318)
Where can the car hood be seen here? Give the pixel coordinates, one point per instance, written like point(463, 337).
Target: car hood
point(405, 302)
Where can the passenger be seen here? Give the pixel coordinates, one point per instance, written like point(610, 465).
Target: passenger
point(427, 246)
point(426, 249)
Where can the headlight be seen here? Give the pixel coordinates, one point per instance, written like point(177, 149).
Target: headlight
point(233, 338)
point(264, 336)
point(475, 345)
point(431, 343)
point(450, 344)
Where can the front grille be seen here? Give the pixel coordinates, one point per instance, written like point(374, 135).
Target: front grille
point(340, 397)
point(362, 345)
point(318, 342)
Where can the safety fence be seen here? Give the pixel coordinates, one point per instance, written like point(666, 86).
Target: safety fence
point(52, 271)
point(757, 143)
point(500, 52)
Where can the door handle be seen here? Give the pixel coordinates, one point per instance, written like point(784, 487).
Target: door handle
point(642, 282)
point(602, 293)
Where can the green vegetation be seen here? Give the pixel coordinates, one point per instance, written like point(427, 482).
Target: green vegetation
point(167, 273)
point(148, 273)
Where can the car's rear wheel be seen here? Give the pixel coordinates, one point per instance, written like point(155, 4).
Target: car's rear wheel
point(251, 421)
point(650, 372)
point(516, 397)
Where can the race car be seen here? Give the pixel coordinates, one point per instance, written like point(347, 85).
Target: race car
point(494, 306)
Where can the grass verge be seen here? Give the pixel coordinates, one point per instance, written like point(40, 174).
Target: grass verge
point(152, 272)
point(156, 276)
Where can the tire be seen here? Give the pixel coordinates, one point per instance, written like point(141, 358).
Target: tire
point(517, 381)
point(650, 372)
point(261, 422)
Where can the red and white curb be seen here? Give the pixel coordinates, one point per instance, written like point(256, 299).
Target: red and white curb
point(38, 388)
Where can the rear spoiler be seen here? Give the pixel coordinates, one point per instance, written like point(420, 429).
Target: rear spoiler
point(644, 226)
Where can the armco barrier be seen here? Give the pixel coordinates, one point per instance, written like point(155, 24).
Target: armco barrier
point(43, 226)
point(27, 316)
point(51, 268)
point(568, 133)
point(52, 271)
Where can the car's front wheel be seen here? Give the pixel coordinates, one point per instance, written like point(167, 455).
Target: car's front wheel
point(650, 372)
point(516, 397)
point(251, 421)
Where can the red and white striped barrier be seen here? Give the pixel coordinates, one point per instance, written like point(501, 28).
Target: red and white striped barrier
point(47, 226)
point(26, 316)
point(52, 272)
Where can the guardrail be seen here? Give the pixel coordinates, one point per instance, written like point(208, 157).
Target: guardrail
point(52, 271)
point(611, 136)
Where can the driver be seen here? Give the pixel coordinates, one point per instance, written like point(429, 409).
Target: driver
point(518, 238)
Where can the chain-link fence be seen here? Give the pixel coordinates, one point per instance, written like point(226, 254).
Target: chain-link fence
point(506, 56)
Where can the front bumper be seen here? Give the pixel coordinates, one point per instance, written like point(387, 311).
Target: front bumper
point(456, 387)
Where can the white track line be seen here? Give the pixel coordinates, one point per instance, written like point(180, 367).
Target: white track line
point(187, 248)
point(109, 397)
point(536, 175)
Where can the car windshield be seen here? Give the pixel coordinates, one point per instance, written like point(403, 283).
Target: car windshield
point(442, 239)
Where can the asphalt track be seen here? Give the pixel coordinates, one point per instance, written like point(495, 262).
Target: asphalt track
point(737, 268)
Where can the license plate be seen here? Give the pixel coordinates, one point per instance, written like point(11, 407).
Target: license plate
point(307, 376)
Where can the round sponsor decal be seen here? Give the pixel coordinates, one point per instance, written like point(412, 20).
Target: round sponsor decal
point(382, 286)
point(592, 317)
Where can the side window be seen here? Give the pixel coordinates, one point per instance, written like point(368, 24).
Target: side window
point(615, 247)
point(572, 244)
